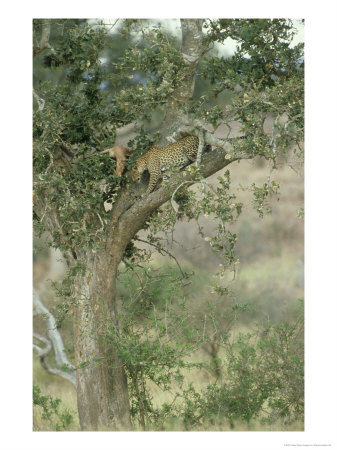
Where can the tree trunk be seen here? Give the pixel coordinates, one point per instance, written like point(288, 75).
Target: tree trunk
point(102, 391)
point(191, 49)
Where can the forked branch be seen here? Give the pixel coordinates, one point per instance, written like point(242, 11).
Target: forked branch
point(64, 369)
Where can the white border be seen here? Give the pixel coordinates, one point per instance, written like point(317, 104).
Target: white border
point(321, 226)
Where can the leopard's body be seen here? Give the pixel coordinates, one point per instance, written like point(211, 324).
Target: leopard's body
point(158, 159)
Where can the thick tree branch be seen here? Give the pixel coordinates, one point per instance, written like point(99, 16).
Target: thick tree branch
point(44, 40)
point(211, 163)
point(191, 50)
point(131, 212)
point(55, 342)
point(188, 125)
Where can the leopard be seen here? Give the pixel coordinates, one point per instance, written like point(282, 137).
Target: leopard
point(159, 159)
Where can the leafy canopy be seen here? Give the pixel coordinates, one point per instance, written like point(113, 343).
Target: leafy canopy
point(95, 81)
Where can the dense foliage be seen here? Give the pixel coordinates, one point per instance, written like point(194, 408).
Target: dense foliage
point(258, 375)
point(99, 91)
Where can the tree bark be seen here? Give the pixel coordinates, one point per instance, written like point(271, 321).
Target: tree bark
point(44, 39)
point(102, 392)
point(191, 49)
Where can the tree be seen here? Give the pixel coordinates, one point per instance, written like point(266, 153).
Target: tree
point(77, 112)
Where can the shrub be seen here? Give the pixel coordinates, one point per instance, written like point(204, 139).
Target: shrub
point(60, 420)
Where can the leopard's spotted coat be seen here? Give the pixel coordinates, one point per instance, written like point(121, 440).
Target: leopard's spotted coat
point(158, 159)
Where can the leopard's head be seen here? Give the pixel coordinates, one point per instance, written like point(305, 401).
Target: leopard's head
point(135, 174)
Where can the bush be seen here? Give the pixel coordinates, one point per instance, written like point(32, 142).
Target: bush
point(60, 420)
point(264, 379)
point(263, 371)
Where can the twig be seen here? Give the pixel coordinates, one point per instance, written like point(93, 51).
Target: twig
point(112, 24)
point(203, 333)
point(51, 163)
point(198, 161)
point(102, 228)
point(165, 318)
point(200, 147)
point(160, 250)
point(174, 193)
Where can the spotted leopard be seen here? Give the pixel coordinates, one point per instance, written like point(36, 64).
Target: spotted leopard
point(158, 159)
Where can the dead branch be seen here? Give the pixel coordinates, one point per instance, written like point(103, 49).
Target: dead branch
point(162, 250)
point(64, 369)
point(39, 100)
point(200, 147)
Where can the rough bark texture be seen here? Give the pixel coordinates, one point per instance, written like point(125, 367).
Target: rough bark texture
point(102, 394)
point(191, 49)
point(44, 39)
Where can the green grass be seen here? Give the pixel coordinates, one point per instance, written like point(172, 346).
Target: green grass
point(58, 388)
